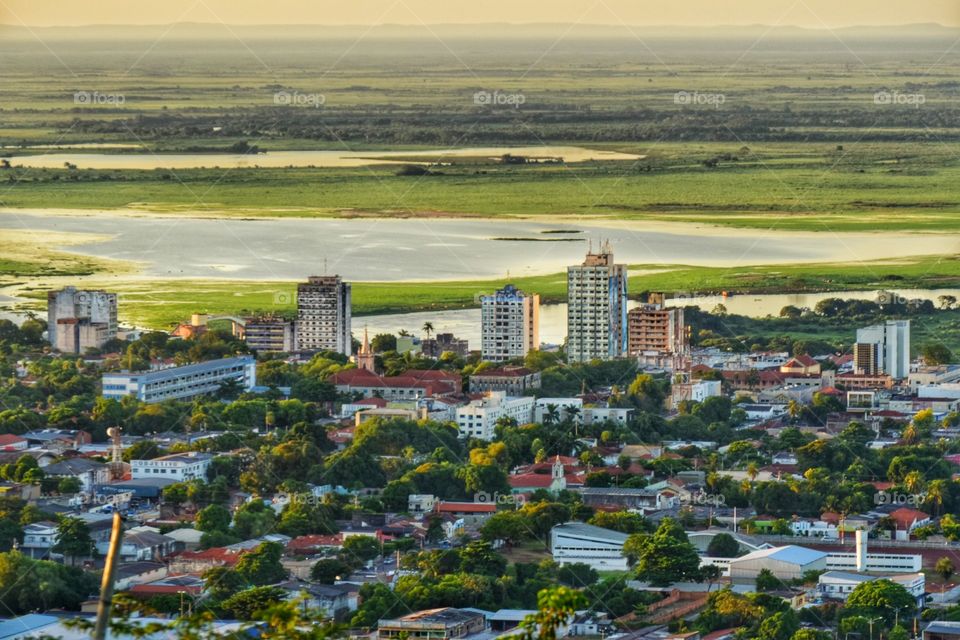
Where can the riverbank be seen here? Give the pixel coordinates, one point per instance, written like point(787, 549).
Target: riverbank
point(160, 302)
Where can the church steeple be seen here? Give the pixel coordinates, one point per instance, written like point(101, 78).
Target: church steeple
point(365, 358)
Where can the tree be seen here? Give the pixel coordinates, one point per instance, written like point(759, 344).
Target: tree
point(766, 581)
point(73, 539)
point(428, 329)
point(480, 558)
point(329, 570)
point(881, 598)
point(262, 565)
point(664, 557)
point(213, 518)
point(779, 626)
point(555, 607)
point(723, 545)
point(69, 485)
point(944, 568)
point(935, 353)
point(578, 575)
point(246, 604)
point(359, 549)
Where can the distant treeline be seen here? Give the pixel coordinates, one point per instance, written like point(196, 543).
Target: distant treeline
point(436, 126)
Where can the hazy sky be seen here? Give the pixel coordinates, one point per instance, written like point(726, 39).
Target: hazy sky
point(808, 13)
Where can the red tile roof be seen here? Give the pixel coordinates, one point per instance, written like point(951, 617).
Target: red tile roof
point(6, 439)
point(466, 507)
point(535, 480)
point(314, 541)
point(905, 517)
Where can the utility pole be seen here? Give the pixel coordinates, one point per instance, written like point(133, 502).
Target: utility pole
point(106, 586)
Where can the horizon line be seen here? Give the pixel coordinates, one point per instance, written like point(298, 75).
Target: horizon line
point(479, 24)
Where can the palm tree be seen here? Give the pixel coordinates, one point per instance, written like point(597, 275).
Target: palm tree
point(428, 328)
point(935, 493)
point(794, 409)
point(553, 412)
point(913, 482)
point(753, 471)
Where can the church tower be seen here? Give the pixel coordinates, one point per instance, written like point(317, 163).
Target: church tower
point(365, 357)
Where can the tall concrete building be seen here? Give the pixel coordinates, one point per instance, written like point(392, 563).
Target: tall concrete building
point(79, 319)
point(510, 324)
point(597, 308)
point(654, 330)
point(883, 348)
point(270, 334)
point(323, 315)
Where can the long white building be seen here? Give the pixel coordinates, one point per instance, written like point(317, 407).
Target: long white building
point(600, 548)
point(177, 466)
point(180, 383)
point(597, 308)
point(323, 315)
point(510, 324)
point(479, 418)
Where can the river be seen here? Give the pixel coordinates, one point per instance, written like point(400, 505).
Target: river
point(390, 249)
point(553, 317)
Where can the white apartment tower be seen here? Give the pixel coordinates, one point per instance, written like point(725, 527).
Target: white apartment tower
point(510, 324)
point(597, 308)
point(323, 315)
point(884, 348)
point(79, 319)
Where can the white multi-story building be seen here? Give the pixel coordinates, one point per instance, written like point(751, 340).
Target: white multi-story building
point(179, 383)
point(478, 419)
point(597, 308)
point(510, 324)
point(558, 410)
point(323, 315)
point(80, 319)
point(883, 348)
point(176, 466)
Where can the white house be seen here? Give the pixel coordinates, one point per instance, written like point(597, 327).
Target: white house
point(615, 415)
point(839, 584)
point(177, 467)
point(39, 538)
point(597, 547)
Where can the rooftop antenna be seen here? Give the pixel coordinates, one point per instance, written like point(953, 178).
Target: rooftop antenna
point(324, 265)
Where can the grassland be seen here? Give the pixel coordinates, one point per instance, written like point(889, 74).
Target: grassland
point(784, 186)
point(33, 254)
point(159, 303)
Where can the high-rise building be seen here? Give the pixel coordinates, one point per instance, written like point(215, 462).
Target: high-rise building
point(510, 324)
point(597, 308)
point(80, 319)
point(323, 315)
point(655, 330)
point(883, 348)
